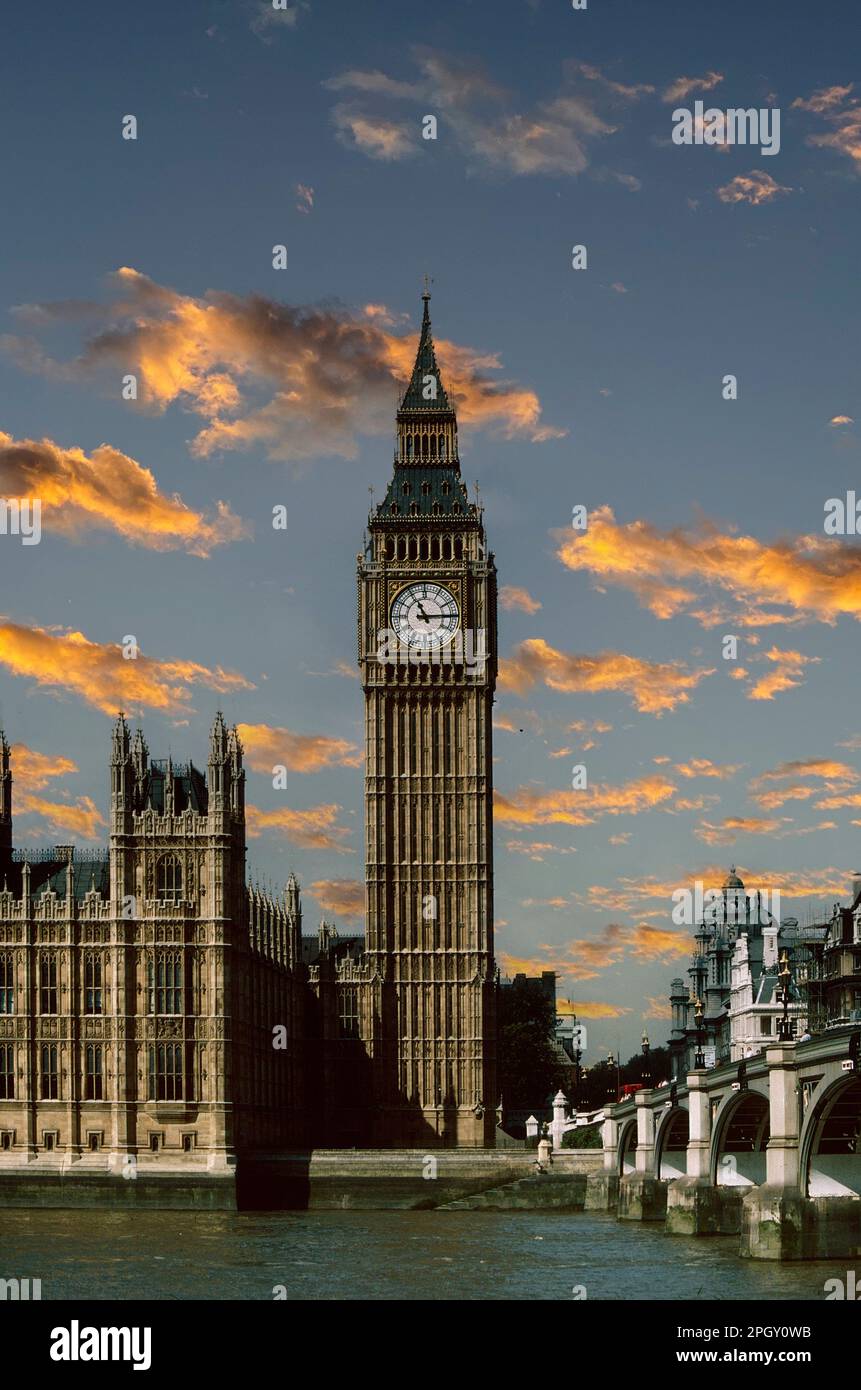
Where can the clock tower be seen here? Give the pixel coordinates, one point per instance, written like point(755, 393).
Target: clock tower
point(427, 655)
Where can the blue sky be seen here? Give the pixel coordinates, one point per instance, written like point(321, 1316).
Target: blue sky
point(600, 387)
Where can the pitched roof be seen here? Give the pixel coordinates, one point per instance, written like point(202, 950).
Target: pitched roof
point(426, 366)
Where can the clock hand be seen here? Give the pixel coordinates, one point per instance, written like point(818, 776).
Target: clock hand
point(422, 614)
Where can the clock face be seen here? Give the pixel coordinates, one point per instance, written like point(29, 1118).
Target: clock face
point(425, 615)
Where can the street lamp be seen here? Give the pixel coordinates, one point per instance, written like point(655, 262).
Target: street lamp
point(699, 1059)
point(784, 1027)
point(612, 1094)
point(647, 1075)
point(577, 1055)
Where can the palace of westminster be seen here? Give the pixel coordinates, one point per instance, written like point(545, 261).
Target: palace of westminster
point(155, 1008)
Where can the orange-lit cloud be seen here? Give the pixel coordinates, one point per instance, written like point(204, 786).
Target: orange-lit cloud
point(345, 897)
point(682, 87)
point(841, 420)
point(657, 1008)
point(33, 771)
point(652, 686)
point(727, 831)
point(298, 383)
point(778, 785)
point(99, 674)
point(754, 188)
point(629, 894)
point(107, 490)
point(528, 806)
point(513, 598)
point(537, 849)
point(267, 747)
point(817, 577)
point(704, 767)
point(842, 113)
point(81, 818)
point(787, 673)
point(315, 828)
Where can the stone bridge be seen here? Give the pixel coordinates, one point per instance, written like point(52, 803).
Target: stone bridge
point(769, 1148)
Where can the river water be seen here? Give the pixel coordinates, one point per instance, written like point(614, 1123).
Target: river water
point(383, 1255)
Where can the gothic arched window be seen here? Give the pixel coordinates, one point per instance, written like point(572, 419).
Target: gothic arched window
point(7, 984)
point(442, 446)
point(169, 879)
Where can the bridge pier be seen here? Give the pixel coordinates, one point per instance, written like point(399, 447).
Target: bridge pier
point(642, 1197)
point(693, 1203)
point(777, 1221)
point(602, 1189)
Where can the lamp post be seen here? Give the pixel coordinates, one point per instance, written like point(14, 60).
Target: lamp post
point(699, 1059)
point(784, 1027)
point(577, 1072)
point(647, 1075)
point(613, 1094)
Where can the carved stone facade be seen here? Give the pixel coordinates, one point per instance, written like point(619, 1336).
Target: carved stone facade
point(139, 987)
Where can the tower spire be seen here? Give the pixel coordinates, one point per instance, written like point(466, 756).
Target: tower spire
point(426, 391)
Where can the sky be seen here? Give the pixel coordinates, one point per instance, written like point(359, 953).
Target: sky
point(602, 387)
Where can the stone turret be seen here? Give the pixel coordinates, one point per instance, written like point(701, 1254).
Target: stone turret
point(5, 806)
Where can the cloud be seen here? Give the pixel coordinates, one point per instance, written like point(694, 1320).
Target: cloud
point(628, 92)
point(513, 598)
point(107, 490)
point(629, 894)
point(344, 897)
point(653, 687)
point(827, 99)
point(841, 420)
point(657, 1007)
point(585, 957)
point(815, 576)
point(376, 136)
point(267, 747)
point(81, 818)
point(682, 87)
point(704, 767)
point(755, 188)
point(266, 18)
point(777, 785)
point(314, 828)
point(33, 771)
point(99, 674)
point(298, 383)
point(787, 673)
point(727, 830)
point(842, 113)
point(537, 850)
point(305, 198)
point(530, 806)
point(482, 118)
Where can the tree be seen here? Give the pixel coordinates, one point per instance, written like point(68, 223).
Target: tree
point(528, 1067)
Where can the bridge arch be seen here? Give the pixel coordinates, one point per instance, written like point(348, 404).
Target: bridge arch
point(671, 1147)
point(628, 1147)
point(830, 1157)
point(740, 1136)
